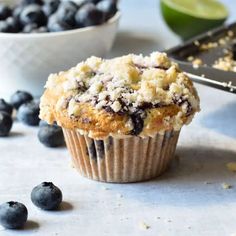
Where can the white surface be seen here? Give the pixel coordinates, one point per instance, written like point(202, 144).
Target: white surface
point(27, 59)
point(182, 200)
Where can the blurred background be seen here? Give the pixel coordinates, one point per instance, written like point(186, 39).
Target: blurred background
point(143, 30)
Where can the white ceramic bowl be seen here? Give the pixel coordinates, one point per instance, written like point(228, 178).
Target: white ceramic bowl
point(26, 60)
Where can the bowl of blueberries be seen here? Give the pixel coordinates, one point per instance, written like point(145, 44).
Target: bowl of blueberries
point(39, 37)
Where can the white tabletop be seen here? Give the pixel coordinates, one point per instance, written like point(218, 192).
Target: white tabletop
point(187, 200)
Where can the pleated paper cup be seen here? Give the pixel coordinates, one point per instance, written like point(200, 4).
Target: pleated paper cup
point(121, 160)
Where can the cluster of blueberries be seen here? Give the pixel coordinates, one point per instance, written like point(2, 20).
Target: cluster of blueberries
point(46, 196)
point(40, 16)
point(27, 109)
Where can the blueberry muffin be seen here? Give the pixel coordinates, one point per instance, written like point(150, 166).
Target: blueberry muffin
point(121, 117)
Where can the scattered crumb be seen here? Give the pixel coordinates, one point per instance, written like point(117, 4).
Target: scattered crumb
point(207, 182)
point(197, 62)
point(119, 195)
point(190, 58)
point(168, 221)
point(144, 226)
point(230, 33)
point(72, 165)
point(231, 166)
point(105, 188)
point(189, 227)
point(196, 42)
point(158, 217)
point(203, 76)
point(226, 186)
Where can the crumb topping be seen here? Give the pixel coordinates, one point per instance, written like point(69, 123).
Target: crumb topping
point(127, 86)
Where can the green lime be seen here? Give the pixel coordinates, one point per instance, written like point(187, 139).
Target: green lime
point(188, 18)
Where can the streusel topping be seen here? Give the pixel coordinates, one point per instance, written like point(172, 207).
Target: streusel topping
point(130, 86)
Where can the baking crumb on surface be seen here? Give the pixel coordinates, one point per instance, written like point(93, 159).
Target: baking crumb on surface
point(105, 188)
point(119, 195)
point(144, 226)
point(226, 186)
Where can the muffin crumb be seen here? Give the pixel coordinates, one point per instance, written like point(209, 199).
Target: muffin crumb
point(144, 226)
point(226, 186)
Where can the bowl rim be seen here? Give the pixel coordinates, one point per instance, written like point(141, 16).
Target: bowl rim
point(111, 21)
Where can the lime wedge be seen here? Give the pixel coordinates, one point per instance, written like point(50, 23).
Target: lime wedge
point(188, 18)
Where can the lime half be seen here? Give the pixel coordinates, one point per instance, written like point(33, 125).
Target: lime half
point(188, 18)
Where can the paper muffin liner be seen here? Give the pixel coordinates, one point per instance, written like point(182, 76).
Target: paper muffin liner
point(121, 160)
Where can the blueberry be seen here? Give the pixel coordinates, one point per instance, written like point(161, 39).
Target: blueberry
point(50, 135)
point(92, 1)
point(13, 24)
point(109, 7)
point(13, 215)
point(50, 6)
point(28, 2)
point(43, 123)
point(33, 28)
point(138, 123)
point(6, 107)
point(17, 11)
point(54, 25)
point(42, 29)
point(89, 15)
point(28, 113)
point(5, 11)
point(46, 196)
point(5, 123)
point(30, 28)
point(33, 14)
point(19, 98)
point(66, 13)
point(4, 27)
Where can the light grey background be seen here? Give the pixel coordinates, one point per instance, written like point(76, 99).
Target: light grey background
point(178, 203)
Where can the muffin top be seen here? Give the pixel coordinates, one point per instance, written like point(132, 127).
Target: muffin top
point(128, 95)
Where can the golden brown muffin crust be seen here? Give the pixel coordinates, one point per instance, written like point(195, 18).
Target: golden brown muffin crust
point(129, 95)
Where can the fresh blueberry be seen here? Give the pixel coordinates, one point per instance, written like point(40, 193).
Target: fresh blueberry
point(42, 29)
point(4, 27)
point(92, 1)
point(33, 28)
point(46, 196)
point(28, 2)
point(28, 113)
point(66, 13)
point(5, 123)
point(50, 6)
point(6, 107)
point(30, 28)
point(19, 98)
point(5, 11)
point(33, 14)
point(13, 215)
point(137, 119)
point(50, 135)
point(54, 25)
point(43, 123)
point(17, 11)
point(89, 15)
point(10, 25)
point(109, 7)
point(13, 24)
